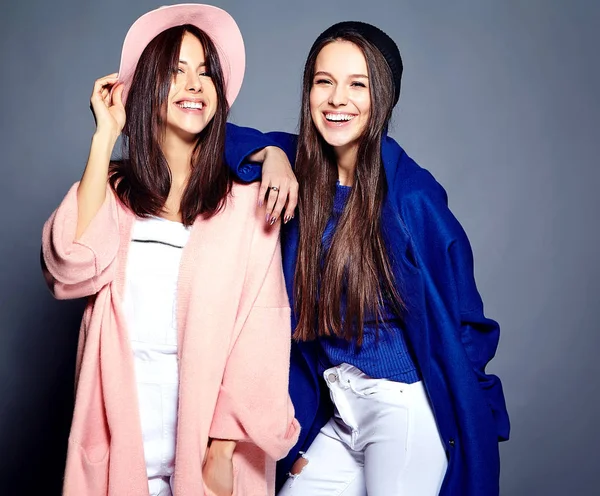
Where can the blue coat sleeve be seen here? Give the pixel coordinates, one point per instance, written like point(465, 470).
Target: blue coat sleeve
point(445, 255)
point(241, 142)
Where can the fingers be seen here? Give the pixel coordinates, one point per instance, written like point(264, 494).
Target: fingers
point(273, 193)
point(264, 188)
point(282, 197)
point(299, 465)
point(205, 456)
point(107, 106)
point(278, 174)
point(292, 202)
point(281, 200)
point(285, 201)
point(104, 81)
point(117, 94)
point(103, 84)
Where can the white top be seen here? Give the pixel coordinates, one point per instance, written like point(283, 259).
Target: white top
point(150, 307)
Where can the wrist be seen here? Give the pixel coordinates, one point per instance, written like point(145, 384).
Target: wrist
point(257, 157)
point(105, 138)
point(271, 151)
point(222, 448)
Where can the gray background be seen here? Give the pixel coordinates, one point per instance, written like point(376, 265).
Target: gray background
point(500, 101)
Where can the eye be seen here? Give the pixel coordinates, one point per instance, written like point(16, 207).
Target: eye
point(358, 84)
point(205, 74)
point(178, 70)
point(322, 81)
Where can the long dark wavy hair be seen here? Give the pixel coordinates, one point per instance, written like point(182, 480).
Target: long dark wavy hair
point(356, 264)
point(142, 181)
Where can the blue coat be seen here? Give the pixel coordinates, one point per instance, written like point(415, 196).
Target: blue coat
point(451, 339)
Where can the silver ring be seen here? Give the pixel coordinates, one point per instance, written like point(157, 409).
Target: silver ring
point(274, 188)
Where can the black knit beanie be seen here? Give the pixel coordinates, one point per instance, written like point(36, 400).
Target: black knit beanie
point(377, 37)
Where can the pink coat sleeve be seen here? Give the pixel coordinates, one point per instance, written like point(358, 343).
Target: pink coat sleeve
point(78, 268)
point(254, 403)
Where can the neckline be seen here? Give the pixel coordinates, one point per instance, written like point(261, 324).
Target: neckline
point(167, 222)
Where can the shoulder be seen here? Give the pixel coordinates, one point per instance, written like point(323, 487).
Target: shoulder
point(408, 181)
point(422, 201)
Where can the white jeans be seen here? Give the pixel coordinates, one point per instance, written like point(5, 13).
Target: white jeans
point(160, 486)
point(158, 392)
point(381, 441)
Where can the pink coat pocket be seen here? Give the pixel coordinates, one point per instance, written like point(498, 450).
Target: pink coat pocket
point(86, 471)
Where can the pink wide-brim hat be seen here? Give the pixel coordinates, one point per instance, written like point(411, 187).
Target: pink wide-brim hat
point(215, 22)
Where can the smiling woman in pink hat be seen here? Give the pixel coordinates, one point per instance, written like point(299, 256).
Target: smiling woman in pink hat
point(176, 391)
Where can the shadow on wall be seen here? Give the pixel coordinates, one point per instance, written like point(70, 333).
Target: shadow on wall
point(37, 403)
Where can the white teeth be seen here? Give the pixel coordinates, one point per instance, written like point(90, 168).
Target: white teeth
point(190, 105)
point(339, 117)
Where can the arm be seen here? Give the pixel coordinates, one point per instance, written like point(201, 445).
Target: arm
point(254, 403)
point(252, 155)
point(444, 252)
point(240, 144)
point(81, 238)
point(75, 268)
point(217, 471)
point(479, 335)
point(109, 114)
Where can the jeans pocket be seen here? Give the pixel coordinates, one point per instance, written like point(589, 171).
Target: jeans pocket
point(398, 394)
point(365, 387)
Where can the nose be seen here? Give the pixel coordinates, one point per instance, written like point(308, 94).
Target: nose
point(338, 96)
point(194, 83)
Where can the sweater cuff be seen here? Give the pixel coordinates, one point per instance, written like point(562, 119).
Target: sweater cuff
point(225, 425)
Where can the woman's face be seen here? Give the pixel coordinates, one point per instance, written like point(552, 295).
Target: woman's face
point(192, 100)
point(340, 100)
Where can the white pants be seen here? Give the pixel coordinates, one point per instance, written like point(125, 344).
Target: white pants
point(381, 441)
point(160, 486)
point(158, 392)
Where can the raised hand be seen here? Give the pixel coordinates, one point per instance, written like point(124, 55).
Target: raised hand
point(109, 113)
point(107, 105)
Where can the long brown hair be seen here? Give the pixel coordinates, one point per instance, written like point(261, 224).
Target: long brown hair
point(356, 264)
point(143, 180)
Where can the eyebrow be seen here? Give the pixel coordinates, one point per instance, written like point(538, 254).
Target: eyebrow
point(185, 63)
point(352, 76)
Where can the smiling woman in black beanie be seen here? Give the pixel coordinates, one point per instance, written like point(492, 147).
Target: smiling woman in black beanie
point(390, 340)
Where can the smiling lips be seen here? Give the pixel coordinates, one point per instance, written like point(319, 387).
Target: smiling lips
point(190, 105)
point(338, 119)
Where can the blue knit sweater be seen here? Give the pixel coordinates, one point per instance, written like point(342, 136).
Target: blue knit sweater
point(383, 357)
